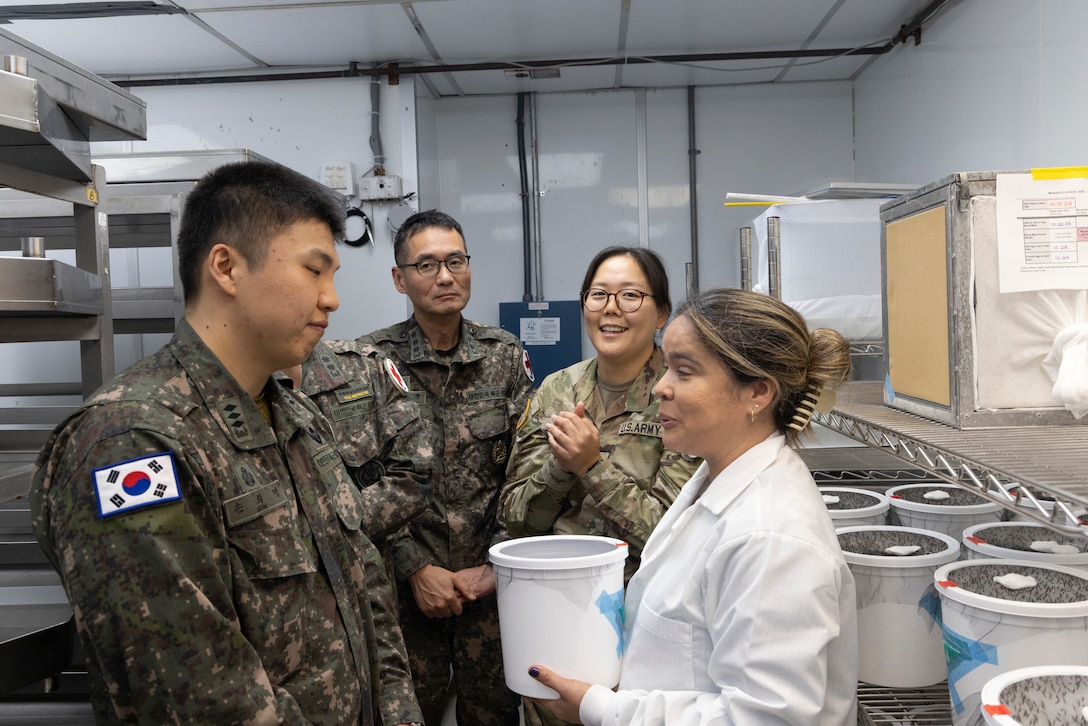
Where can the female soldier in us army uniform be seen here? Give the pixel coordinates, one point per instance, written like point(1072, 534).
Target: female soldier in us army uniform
point(589, 459)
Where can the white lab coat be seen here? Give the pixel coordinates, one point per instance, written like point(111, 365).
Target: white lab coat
point(743, 611)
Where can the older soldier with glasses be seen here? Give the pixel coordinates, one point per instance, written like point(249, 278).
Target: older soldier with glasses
point(590, 457)
point(472, 383)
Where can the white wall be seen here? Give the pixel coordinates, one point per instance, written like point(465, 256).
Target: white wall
point(601, 152)
point(995, 84)
point(301, 124)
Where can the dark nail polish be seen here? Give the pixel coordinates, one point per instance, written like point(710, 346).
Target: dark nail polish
point(534, 671)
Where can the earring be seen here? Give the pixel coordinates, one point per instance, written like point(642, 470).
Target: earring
point(754, 408)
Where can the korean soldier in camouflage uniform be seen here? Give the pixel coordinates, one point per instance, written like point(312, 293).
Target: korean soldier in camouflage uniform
point(384, 442)
point(589, 459)
point(472, 383)
point(201, 518)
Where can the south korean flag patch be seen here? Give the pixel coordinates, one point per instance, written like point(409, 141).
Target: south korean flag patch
point(136, 484)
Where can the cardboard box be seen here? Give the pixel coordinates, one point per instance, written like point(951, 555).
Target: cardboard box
point(957, 350)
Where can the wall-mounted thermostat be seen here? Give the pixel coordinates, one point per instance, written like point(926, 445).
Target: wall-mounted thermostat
point(339, 176)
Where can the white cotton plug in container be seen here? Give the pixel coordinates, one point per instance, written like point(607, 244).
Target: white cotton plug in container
point(1037, 696)
point(851, 507)
point(944, 508)
point(560, 600)
point(899, 639)
point(1025, 541)
point(999, 615)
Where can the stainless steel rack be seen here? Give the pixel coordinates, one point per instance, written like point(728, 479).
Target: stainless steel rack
point(1016, 467)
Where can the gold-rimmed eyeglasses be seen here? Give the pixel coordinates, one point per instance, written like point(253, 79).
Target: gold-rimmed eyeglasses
point(456, 264)
point(628, 299)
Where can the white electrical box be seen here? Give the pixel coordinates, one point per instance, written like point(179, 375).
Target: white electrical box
point(372, 188)
point(339, 176)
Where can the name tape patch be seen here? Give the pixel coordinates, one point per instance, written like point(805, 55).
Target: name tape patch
point(643, 428)
point(135, 484)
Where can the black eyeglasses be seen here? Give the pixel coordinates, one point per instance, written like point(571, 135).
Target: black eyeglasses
point(628, 299)
point(456, 264)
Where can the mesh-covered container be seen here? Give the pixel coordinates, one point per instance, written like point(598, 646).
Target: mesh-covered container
point(1039, 696)
point(940, 507)
point(1025, 541)
point(899, 640)
point(855, 507)
point(999, 615)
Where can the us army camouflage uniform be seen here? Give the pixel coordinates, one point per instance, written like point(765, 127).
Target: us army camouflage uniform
point(473, 398)
point(625, 493)
point(384, 442)
point(623, 496)
point(256, 597)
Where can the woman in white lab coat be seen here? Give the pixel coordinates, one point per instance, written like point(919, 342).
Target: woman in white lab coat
point(742, 612)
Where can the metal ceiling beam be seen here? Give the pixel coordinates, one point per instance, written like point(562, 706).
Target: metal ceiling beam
point(78, 11)
point(353, 70)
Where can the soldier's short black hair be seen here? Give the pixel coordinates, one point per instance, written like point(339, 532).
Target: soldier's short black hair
point(416, 224)
point(648, 261)
point(244, 205)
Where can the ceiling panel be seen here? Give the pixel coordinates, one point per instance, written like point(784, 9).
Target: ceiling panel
point(320, 35)
point(674, 27)
point(146, 44)
point(482, 30)
point(227, 37)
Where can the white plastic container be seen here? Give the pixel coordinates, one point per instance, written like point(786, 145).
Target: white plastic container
point(899, 639)
point(940, 507)
point(990, 628)
point(855, 507)
point(1037, 696)
point(1030, 541)
point(560, 600)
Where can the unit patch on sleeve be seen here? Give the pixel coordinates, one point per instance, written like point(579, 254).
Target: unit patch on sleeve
point(528, 366)
point(398, 380)
point(135, 484)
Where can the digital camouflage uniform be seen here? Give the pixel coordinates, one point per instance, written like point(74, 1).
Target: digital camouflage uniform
point(252, 597)
point(623, 495)
point(384, 442)
point(473, 397)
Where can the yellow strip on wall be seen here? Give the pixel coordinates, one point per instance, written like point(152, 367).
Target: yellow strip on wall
point(1060, 172)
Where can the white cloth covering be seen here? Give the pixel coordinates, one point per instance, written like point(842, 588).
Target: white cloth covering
point(743, 611)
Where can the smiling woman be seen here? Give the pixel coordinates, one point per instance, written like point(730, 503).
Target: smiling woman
point(589, 457)
point(743, 609)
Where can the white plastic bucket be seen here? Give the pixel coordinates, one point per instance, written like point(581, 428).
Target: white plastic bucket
point(560, 601)
point(855, 507)
point(922, 506)
point(990, 629)
point(1037, 696)
point(899, 639)
point(1031, 541)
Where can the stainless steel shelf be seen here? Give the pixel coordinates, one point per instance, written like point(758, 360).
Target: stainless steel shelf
point(928, 706)
point(1016, 467)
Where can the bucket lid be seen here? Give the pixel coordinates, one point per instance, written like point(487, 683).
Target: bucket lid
point(1013, 697)
point(558, 552)
point(1060, 591)
point(843, 502)
point(940, 498)
point(868, 545)
point(1024, 540)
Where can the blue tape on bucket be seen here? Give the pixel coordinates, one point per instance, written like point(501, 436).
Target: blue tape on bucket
point(611, 606)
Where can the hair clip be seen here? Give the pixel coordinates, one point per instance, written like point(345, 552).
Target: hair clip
point(820, 400)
